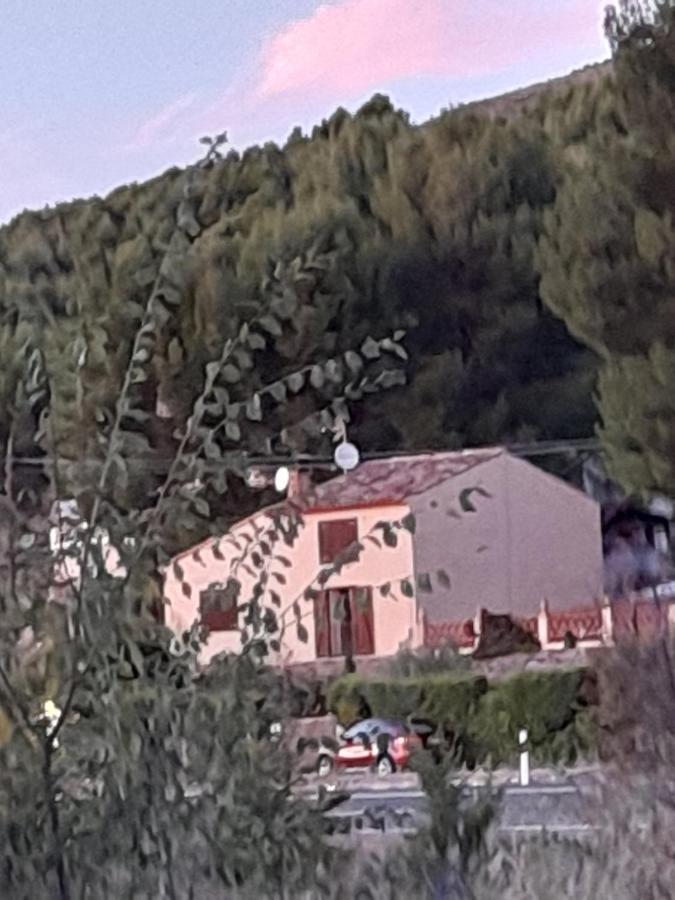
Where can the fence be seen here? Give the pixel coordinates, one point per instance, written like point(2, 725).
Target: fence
point(590, 626)
point(462, 634)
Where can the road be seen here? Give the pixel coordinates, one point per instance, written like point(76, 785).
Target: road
point(558, 808)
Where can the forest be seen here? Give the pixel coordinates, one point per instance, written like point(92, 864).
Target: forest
point(524, 247)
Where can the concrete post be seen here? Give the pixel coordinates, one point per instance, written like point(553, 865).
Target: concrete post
point(607, 622)
point(478, 625)
point(542, 624)
point(524, 758)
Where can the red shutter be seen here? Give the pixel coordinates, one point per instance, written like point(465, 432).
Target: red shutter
point(362, 622)
point(336, 536)
point(218, 608)
point(322, 625)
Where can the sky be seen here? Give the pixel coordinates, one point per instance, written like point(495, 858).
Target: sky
point(98, 93)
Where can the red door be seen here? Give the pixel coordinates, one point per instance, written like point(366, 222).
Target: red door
point(322, 625)
point(363, 630)
point(343, 620)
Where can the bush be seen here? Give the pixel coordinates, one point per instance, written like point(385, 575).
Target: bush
point(636, 697)
point(449, 701)
point(353, 697)
point(552, 706)
point(483, 722)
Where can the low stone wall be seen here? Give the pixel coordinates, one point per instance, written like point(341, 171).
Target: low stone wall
point(324, 669)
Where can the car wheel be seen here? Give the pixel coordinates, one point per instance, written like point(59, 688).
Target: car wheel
point(385, 766)
point(325, 766)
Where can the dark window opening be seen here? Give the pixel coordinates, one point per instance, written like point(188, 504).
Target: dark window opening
point(335, 537)
point(218, 606)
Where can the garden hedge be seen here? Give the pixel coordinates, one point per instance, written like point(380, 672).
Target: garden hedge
point(445, 699)
point(554, 706)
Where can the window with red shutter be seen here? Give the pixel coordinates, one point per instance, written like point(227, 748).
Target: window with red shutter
point(343, 621)
point(322, 625)
point(363, 633)
point(335, 537)
point(218, 606)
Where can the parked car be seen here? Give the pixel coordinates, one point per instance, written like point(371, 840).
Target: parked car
point(381, 745)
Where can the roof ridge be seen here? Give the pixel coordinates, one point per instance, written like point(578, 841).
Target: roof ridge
point(411, 486)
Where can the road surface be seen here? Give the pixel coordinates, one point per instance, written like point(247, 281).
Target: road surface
point(558, 808)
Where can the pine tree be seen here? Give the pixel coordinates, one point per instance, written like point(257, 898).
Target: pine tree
point(373, 225)
point(608, 256)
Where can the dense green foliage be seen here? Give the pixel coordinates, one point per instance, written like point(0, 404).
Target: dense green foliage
point(143, 776)
point(483, 720)
point(552, 706)
point(139, 762)
point(443, 698)
point(464, 231)
point(608, 254)
point(366, 226)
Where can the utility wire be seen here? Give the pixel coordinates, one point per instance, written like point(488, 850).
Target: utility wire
point(524, 450)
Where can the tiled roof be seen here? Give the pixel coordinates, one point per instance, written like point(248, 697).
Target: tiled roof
point(397, 478)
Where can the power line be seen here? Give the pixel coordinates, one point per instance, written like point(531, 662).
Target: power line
point(525, 450)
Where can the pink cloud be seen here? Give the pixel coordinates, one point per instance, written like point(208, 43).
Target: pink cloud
point(347, 49)
point(351, 46)
point(348, 46)
point(158, 128)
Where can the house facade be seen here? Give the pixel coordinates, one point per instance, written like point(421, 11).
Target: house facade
point(532, 538)
point(359, 610)
point(490, 531)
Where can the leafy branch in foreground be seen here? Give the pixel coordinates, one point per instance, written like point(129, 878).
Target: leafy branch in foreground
point(155, 778)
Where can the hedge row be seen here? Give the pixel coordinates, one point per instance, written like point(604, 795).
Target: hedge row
point(484, 719)
point(441, 698)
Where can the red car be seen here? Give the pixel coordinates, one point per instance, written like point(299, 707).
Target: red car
point(377, 744)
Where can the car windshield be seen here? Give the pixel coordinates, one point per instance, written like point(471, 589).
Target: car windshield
point(373, 727)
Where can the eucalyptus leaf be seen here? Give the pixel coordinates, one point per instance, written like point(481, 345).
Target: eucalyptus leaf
point(231, 374)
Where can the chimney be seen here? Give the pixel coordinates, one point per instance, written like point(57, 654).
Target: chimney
point(299, 484)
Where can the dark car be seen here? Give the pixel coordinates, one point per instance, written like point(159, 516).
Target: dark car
point(381, 745)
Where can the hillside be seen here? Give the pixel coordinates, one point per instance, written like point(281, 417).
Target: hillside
point(520, 100)
point(431, 228)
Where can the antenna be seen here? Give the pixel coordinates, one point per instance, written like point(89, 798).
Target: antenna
point(282, 478)
point(346, 456)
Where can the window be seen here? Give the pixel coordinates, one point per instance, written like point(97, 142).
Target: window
point(335, 537)
point(218, 606)
point(343, 620)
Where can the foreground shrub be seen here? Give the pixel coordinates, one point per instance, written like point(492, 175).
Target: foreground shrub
point(628, 856)
point(552, 706)
point(636, 697)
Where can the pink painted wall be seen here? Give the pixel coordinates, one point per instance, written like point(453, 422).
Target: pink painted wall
point(535, 537)
point(470, 547)
point(556, 550)
point(395, 617)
